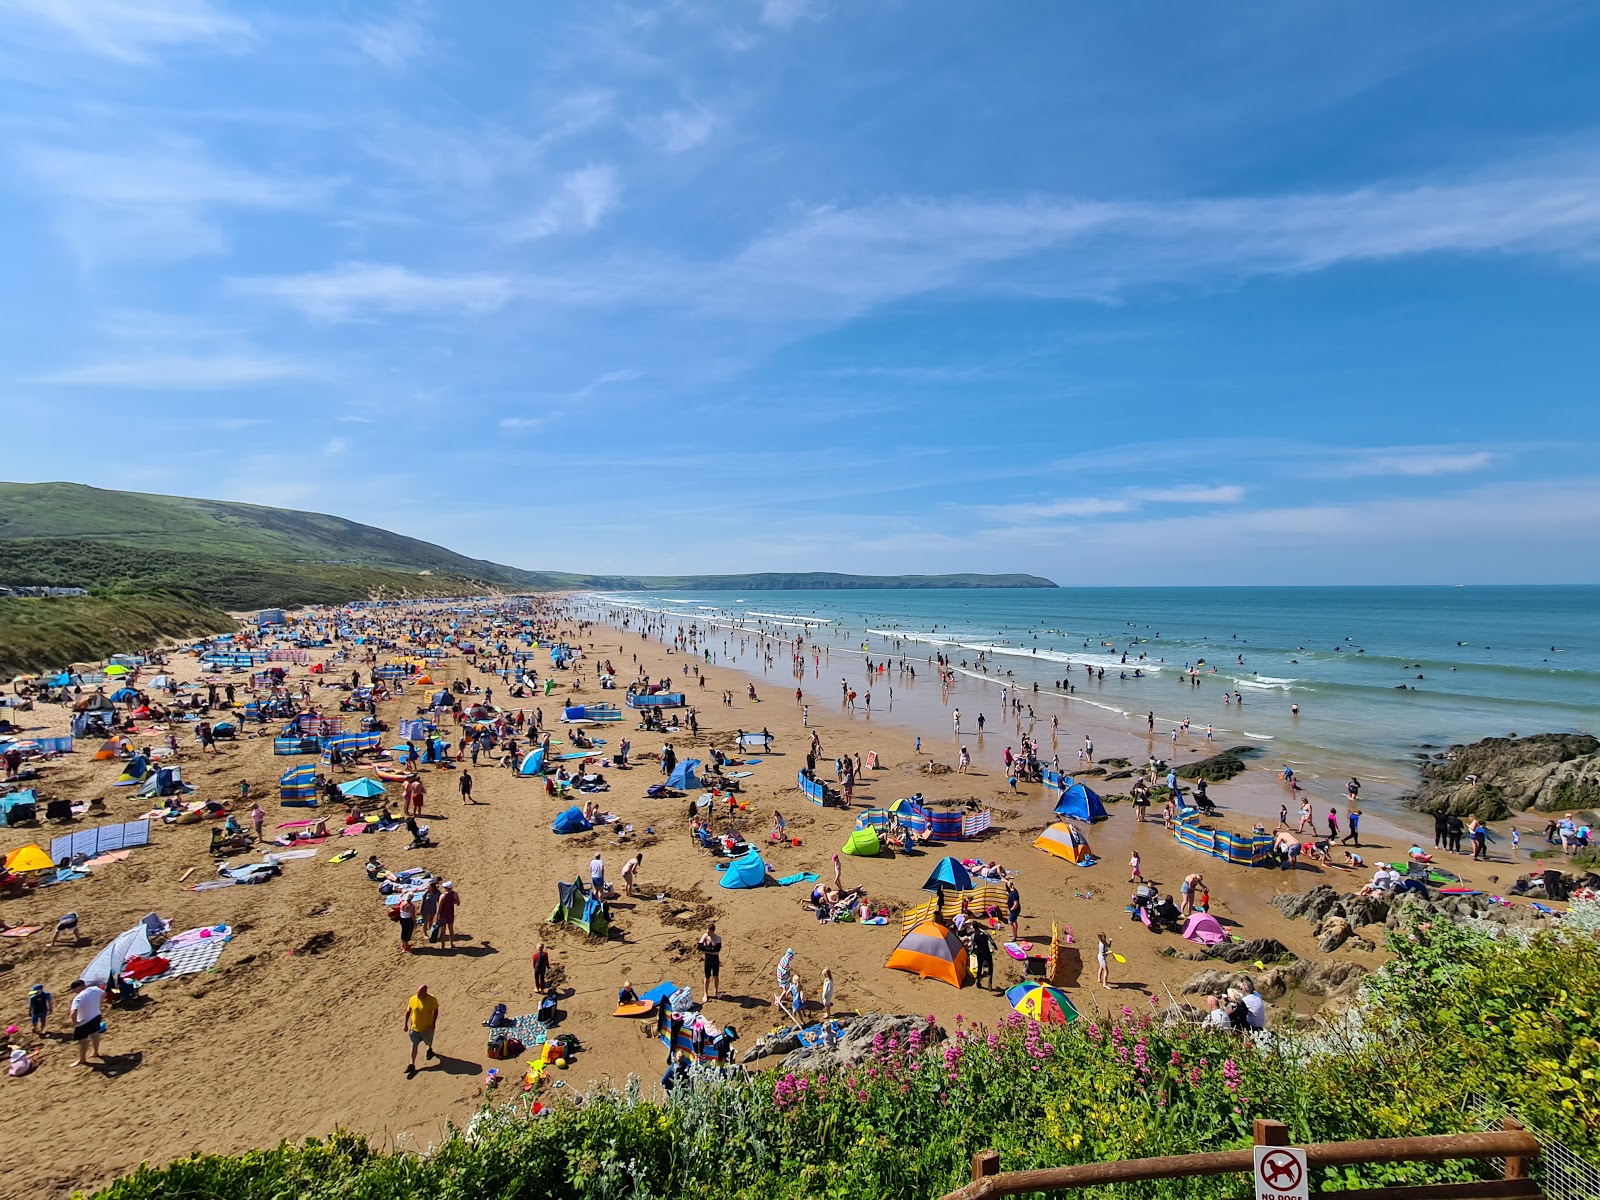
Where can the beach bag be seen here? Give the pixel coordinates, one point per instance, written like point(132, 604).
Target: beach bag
point(433, 932)
point(497, 1018)
point(680, 1000)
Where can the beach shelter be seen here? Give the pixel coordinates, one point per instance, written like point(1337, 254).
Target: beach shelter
point(362, 789)
point(112, 748)
point(18, 808)
point(28, 858)
point(746, 872)
point(684, 777)
point(123, 695)
point(932, 951)
point(135, 943)
point(1064, 841)
point(1043, 1003)
point(532, 763)
point(950, 874)
point(863, 843)
point(298, 783)
point(575, 906)
point(1205, 929)
point(571, 820)
point(1081, 804)
point(138, 767)
point(164, 781)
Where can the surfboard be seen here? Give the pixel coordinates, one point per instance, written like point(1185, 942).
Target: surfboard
point(639, 1008)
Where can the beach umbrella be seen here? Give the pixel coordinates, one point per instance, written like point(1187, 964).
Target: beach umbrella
point(363, 788)
point(116, 669)
point(1042, 1002)
point(28, 858)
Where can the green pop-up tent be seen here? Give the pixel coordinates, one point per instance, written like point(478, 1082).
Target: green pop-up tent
point(863, 843)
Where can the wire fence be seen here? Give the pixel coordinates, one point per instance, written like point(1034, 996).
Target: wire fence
point(1562, 1172)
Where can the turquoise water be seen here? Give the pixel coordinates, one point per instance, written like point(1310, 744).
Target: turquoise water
point(1377, 672)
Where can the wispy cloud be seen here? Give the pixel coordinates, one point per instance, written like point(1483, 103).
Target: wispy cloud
point(155, 200)
point(1079, 506)
point(675, 130)
point(781, 14)
point(1221, 494)
point(354, 289)
point(181, 372)
point(130, 31)
point(397, 41)
point(1416, 461)
point(521, 424)
point(582, 200)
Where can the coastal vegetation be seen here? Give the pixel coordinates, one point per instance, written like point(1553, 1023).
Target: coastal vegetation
point(43, 634)
point(1461, 1026)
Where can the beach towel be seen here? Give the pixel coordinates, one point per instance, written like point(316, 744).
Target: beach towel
point(815, 1035)
point(110, 856)
point(528, 1030)
point(801, 877)
point(191, 956)
point(211, 885)
point(285, 855)
point(25, 930)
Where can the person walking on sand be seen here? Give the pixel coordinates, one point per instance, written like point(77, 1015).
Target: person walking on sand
point(838, 873)
point(422, 1016)
point(449, 901)
point(408, 922)
point(541, 969)
point(465, 784)
point(710, 945)
point(1333, 824)
point(1305, 817)
point(87, 1025)
point(258, 818)
point(1353, 819)
point(1133, 869)
point(1102, 956)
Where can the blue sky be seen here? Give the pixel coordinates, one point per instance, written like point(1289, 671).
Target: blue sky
point(1131, 293)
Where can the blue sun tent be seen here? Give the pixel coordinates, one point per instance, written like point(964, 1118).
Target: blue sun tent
point(1080, 803)
point(532, 763)
point(684, 776)
point(570, 820)
point(951, 874)
point(746, 872)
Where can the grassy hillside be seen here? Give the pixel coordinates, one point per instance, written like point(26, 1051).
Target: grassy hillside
point(39, 635)
point(217, 527)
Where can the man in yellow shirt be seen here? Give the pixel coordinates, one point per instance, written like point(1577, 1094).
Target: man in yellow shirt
point(422, 1013)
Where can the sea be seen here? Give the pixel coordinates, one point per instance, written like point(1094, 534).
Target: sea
point(1332, 679)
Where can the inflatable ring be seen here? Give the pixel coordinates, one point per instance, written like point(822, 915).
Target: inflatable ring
point(394, 776)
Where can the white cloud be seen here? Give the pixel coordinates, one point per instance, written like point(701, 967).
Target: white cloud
point(130, 30)
point(1081, 506)
point(676, 130)
point(1196, 494)
point(781, 14)
point(394, 43)
point(181, 372)
point(334, 447)
point(352, 289)
point(154, 200)
point(1419, 461)
point(521, 424)
point(582, 200)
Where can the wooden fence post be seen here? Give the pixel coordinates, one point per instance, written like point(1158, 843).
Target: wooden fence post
point(1271, 1133)
point(984, 1164)
point(1516, 1165)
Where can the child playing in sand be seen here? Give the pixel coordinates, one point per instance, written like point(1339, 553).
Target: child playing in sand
point(1133, 868)
point(40, 1005)
point(827, 995)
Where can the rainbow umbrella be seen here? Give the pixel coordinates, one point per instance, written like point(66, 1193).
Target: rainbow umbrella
point(1042, 1002)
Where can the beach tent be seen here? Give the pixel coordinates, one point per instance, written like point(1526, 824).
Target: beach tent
point(19, 808)
point(1066, 842)
point(94, 702)
point(123, 695)
point(570, 820)
point(950, 874)
point(112, 748)
point(1042, 1002)
point(116, 669)
point(863, 843)
point(932, 951)
point(575, 906)
point(532, 763)
point(164, 781)
point(684, 777)
point(298, 783)
point(363, 789)
point(135, 943)
point(746, 872)
point(28, 858)
point(1206, 929)
point(1081, 804)
point(138, 767)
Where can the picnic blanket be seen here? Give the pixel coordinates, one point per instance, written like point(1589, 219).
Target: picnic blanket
point(528, 1030)
point(191, 951)
point(800, 877)
point(815, 1035)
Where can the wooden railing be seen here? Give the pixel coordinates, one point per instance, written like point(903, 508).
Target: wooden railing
point(1511, 1143)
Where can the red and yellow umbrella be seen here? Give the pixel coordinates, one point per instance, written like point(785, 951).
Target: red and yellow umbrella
point(1042, 1002)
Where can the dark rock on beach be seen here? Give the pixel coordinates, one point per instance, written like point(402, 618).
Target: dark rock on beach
point(1221, 766)
point(1494, 778)
point(853, 1045)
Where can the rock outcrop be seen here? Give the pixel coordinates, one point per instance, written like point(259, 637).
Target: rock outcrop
point(1221, 766)
point(854, 1045)
point(1494, 778)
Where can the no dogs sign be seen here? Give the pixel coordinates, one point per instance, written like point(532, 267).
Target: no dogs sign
point(1281, 1173)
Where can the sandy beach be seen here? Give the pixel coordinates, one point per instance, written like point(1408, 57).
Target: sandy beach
point(277, 1042)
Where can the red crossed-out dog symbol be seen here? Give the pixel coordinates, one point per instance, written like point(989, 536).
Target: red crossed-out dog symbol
point(1280, 1171)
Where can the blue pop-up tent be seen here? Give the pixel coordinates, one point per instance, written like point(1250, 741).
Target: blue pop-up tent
point(684, 777)
point(1080, 803)
point(746, 872)
point(532, 763)
point(570, 820)
point(951, 874)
